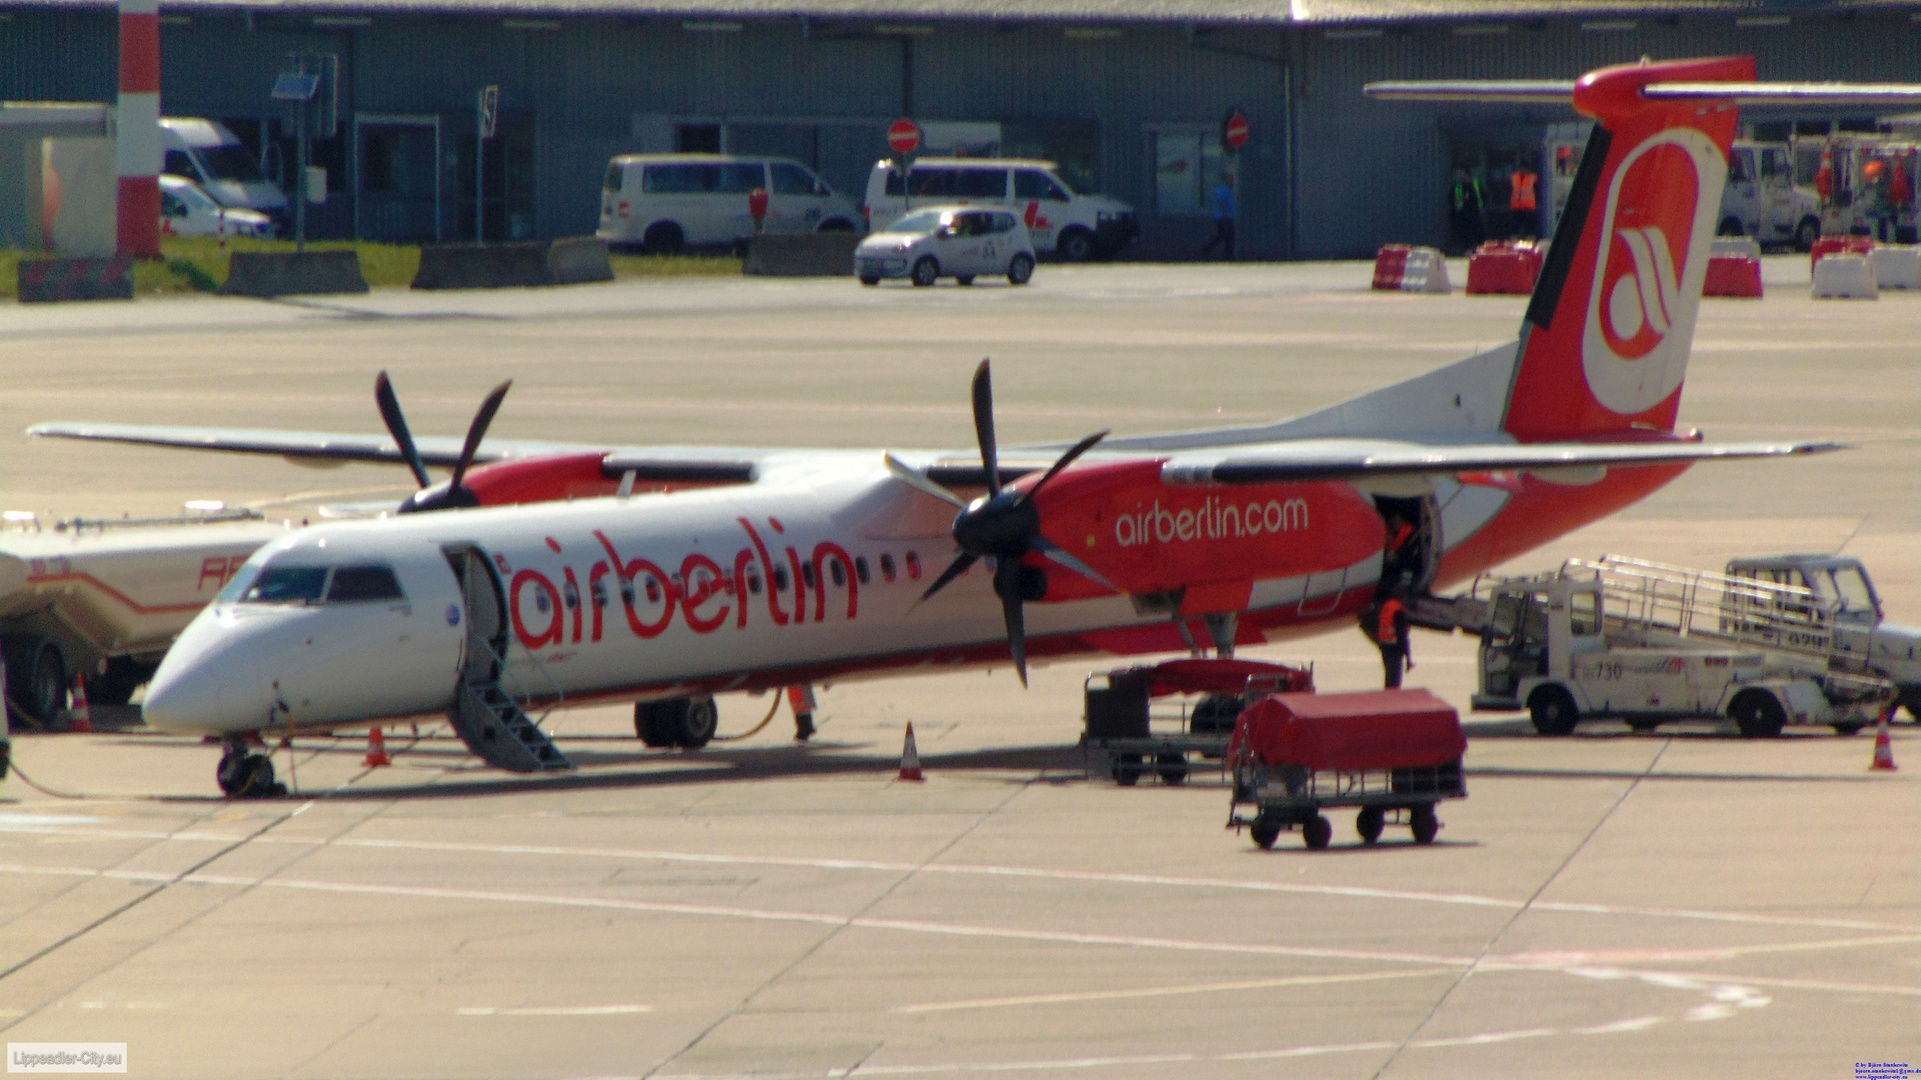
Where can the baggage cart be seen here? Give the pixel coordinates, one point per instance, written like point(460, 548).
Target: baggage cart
point(1390, 754)
point(1133, 727)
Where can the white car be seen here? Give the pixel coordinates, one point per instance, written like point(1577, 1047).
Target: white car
point(947, 241)
point(185, 210)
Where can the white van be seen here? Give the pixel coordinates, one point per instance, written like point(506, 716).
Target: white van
point(1074, 227)
point(664, 203)
point(207, 153)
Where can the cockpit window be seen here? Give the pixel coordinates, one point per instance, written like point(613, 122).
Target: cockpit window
point(356, 583)
point(287, 585)
point(238, 587)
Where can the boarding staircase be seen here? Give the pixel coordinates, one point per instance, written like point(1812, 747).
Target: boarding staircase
point(495, 727)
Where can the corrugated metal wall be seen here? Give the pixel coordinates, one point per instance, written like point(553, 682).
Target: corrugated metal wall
point(1365, 173)
point(1376, 172)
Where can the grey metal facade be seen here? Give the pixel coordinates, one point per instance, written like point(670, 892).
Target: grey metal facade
point(1326, 173)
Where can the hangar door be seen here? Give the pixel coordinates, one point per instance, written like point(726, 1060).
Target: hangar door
point(397, 185)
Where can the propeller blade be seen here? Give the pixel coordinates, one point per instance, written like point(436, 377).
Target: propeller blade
point(397, 427)
point(1051, 550)
point(954, 569)
point(1007, 584)
point(477, 430)
point(1067, 459)
point(984, 427)
point(919, 481)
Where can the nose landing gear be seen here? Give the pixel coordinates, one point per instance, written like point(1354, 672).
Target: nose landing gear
point(243, 774)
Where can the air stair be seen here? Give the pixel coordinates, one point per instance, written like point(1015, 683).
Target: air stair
point(498, 730)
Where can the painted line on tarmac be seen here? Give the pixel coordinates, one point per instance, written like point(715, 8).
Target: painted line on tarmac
point(1167, 991)
point(556, 1010)
point(985, 870)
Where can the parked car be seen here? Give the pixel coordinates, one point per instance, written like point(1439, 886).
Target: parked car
point(1073, 226)
point(206, 153)
point(665, 203)
point(961, 242)
point(186, 210)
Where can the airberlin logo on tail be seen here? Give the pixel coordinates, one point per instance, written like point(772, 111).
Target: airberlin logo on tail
point(1212, 520)
point(1641, 307)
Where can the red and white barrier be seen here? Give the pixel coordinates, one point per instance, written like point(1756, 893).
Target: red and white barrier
point(1844, 277)
point(1897, 266)
point(1734, 268)
point(1839, 245)
point(1503, 268)
point(137, 124)
point(1403, 268)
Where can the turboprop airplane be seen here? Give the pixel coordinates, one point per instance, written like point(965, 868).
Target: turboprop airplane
point(782, 567)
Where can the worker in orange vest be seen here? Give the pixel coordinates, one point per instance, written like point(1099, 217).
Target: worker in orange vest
point(1521, 201)
point(1390, 635)
point(1824, 177)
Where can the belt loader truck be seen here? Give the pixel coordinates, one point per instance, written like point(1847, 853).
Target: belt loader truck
point(1649, 643)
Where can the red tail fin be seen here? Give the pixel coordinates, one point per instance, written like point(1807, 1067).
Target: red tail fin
point(1605, 343)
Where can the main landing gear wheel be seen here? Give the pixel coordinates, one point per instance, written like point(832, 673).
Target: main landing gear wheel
point(36, 680)
point(687, 723)
point(1424, 825)
point(1369, 823)
point(245, 775)
point(1264, 832)
point(1316, 832)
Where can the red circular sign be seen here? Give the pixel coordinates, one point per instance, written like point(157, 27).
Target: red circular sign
point(1234, 133)
point(903, 136)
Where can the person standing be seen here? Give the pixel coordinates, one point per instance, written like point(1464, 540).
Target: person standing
point(1390, 636)
point(1222, 208)
point(1522, 202)
point(1466, 203)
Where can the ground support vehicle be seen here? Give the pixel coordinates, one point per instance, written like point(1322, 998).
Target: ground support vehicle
point(208, 154)
point(1648, 643)
point(666, 203)
point(1762, 201)
point(947, 241)
point(1126, 735)
point(1387, 753)
point(1848, 610)
point(1868, 186)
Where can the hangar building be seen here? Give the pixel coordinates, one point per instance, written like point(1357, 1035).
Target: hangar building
point(1128, 95)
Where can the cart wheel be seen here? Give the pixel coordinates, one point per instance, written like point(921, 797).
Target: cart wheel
point(1265, 831)
point(1369, 822)
point(1424, 824)
point(1127, 770)
point(1173, 768)
point(1317, 832)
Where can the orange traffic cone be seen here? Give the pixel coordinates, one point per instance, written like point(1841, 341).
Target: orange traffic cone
point(376, 749)
point(1883, 746)
point(910, 759)
point(79, 716)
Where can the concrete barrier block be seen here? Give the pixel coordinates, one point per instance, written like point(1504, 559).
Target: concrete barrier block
point(483, 266)
point(1732, 275)
point(1390, 263)
point(43, 281)
point(821, 254)
point(1746, 246)
point(576, 260)
point(1897, 267)
point(1845, 277)
point(293, 273)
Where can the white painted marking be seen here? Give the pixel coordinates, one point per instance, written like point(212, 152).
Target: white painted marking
point(1639, 1023)
point(35, 822)
point(1168, 991)
point(556, 1011)
point(1485, 1039)
point(642, 854)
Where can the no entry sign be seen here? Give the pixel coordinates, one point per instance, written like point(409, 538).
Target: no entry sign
point(1234, 130)
point(903, 136)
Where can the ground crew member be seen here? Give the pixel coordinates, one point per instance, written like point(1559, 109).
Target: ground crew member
point(1465, 204)
point(1880, 207)
point(1222, 209)
point(1521, 201)
point(1390, 635)
point(1824, 177)
point(1394, 552)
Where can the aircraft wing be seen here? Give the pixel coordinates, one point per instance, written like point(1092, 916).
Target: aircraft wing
point(1364, 459)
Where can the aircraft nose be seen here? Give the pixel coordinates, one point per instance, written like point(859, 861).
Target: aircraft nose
point(207, 684)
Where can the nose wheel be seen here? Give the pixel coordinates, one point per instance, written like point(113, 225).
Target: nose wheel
point(243, 774)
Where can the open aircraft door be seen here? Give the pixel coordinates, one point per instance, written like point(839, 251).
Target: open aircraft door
point(1411, 555)
point(484, 606)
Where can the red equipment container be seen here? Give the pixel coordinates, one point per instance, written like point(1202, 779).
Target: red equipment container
point(1503, 267)
point(1732, 275)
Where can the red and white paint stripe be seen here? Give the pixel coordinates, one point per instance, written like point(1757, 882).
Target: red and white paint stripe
point(138, 125)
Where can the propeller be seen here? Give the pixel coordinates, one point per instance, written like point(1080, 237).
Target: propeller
point(1001, 526)
point(454, 495)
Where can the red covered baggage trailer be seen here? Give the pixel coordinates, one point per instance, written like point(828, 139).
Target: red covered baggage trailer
point(1120, 739)
point(1385, 751)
